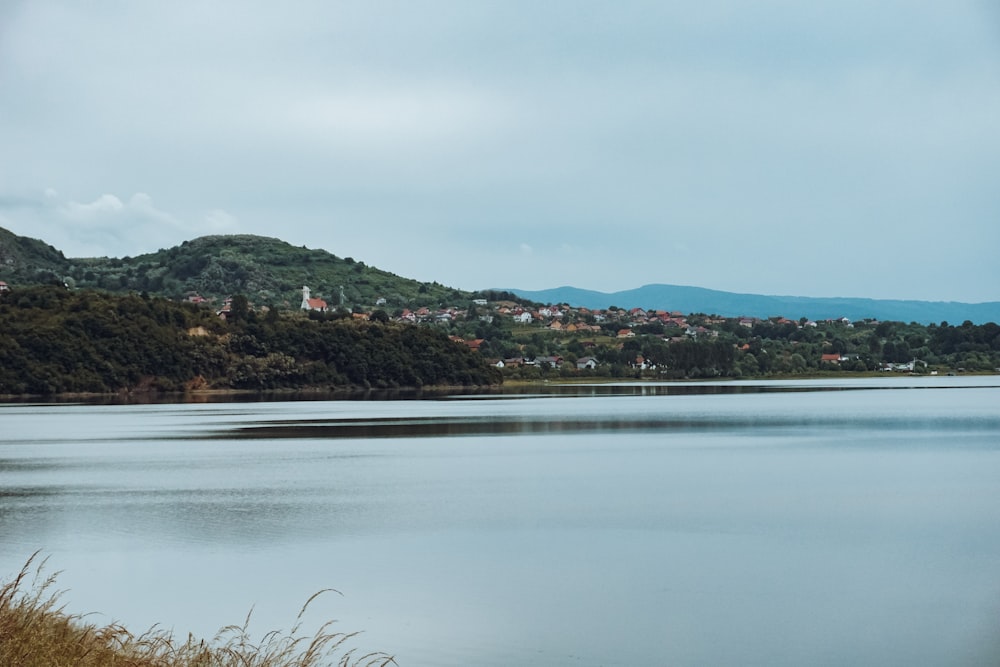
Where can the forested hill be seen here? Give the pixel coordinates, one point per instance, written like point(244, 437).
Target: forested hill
point(270, 272)
point(54, 340)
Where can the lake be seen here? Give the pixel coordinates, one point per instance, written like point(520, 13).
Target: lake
point(744, 523)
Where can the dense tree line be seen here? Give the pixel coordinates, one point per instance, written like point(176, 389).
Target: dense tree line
point(53, 340)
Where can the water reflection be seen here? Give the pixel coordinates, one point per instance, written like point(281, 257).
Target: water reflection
point(392, 427)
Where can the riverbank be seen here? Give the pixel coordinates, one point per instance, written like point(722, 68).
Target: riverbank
point(514, 385)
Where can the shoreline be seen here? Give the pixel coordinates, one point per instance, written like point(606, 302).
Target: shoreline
point(230, 395)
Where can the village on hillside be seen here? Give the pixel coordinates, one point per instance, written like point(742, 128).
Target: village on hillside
point(528, 340)
point(560, 337)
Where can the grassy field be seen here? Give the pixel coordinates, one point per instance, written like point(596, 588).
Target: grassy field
point(35, 631)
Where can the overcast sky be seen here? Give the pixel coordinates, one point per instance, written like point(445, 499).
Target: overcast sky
point(847, 148)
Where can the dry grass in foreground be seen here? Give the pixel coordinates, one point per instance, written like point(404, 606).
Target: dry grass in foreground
point(35, 631)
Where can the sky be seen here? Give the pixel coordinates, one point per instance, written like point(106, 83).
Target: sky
point(820, 148)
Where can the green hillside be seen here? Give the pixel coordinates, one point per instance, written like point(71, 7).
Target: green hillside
point(268, 271)
point(29, 261)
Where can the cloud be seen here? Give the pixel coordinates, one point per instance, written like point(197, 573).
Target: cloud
point(107, 207)
point(104, 206)
point(109, 225)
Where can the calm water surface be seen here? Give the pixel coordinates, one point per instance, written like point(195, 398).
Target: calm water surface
point(815, 522)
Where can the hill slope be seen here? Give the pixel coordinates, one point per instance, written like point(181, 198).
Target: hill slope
point(729, 304)
point(28, 261)
point(267, 270)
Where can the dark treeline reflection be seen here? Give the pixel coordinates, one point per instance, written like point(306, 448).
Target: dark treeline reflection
point(522, 425)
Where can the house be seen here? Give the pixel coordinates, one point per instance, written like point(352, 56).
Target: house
point(309, 303)
point(640, 363)
point(551, 362)
point(4, 287)
point(475, 344)
point(479, 302)
point(830, 358)
point(695, 332)
point(524, 317)
point(626, 333)
point(584, 363)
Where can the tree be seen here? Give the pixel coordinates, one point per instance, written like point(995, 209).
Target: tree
point(239, 308)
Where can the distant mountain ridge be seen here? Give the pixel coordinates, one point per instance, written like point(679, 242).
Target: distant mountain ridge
point(730, 304)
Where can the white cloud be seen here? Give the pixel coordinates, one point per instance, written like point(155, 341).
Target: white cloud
point(138, 217)
point(103, 207)
point(109, 225)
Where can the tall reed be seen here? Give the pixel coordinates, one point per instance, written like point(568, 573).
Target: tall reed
point(36, 631)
